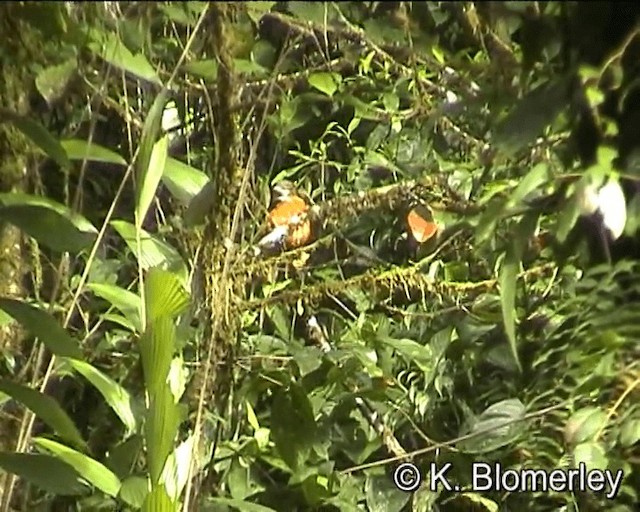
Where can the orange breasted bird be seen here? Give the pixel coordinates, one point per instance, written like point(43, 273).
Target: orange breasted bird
point(420, 224)
point(288, 219)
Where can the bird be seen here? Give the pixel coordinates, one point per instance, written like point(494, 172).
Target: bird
point(288, 219)
point(420, 224)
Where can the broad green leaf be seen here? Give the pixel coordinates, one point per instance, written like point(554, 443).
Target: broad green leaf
point(91, 470)
point(52, 81)
point(183, 181)
point(308, 359)
point(146, 186)
point(629, 432)
point(154, 252)
point(128, 303)
point(115, 395)
point(240, 505)
point(488, 220)
point(45, 408)
point(326, 83)
point(499, 425)
point(420, 355)
point(39, 135)
point(592, 455)
point(176, 469)
point(481, 501)
point(42, 325)
point(80, 149)
point(149, 183)
point(161, 428)
point(157, 346)
point(383, 496)
point(179, 13)
point(122, 457)
point(293, 426)
point(200, 206)
point(109, 47)
point(256, 10)
point(134, 490)
point(249, 67)
point(206, 69)
point(314, 12)
point(584, 424)
point(532, 180)
point(44, 471)
point(49, 222)
point(159, 501)
point(532, 114)
point(508, 280)
point(164, 295)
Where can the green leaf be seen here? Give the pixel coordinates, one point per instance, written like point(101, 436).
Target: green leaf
point(592, 455)
point(293, 426)
point(146, 185)
point(44, 326)
point(115, 395)
point(533, 179)
point(584, 424)
point(91, 470)
point(157, 345)
point(420, 355)
point(151, 178)
point(154, 252)
point(200, 206)
point(134, 490)
point(496, 427)
point(164, 295)
point(507, 280)
point(45, 408)
point(308, 359)
point(109, 47)
point(183, 181)
point(39, 135)
point(249, 67)
point(80, 149)
point(481, 501)
point(161, 428)
point(533, 113)
point(52, 81)
point(49, 222)
point(256, 10)
point(128, 303)
point(206, 69)
point(314, 12)
point(629, 432)
point(383, 496)
point(326, 83)
point(159, 501)
point(44, 471)
point(240, 505)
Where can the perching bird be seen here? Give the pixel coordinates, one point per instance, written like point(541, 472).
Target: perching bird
point(288, 219)
point(420, 224)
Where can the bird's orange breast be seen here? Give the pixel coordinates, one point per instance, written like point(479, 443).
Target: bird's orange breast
point(292, 213)
point(421, 225)
point(288, 212)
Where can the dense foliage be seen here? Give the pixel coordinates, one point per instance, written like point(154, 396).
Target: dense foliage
point(155, 359)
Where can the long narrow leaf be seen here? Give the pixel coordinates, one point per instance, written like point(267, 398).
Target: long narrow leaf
point(91, 470)
point(45, 408)
point(42, 325)
point(45, 471)
point(151, 178)
point(115, 395)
